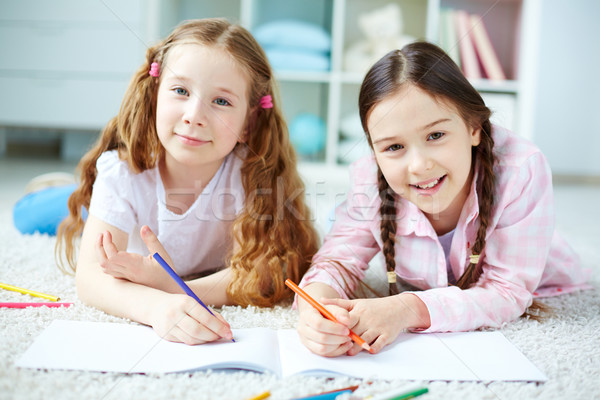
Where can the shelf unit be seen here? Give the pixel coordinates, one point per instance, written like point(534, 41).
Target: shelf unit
point(334, 94)
point(513, 26)
point(86, 51)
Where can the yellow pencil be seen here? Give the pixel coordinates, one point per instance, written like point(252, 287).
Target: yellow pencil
point(29, 292)
point(261, 396)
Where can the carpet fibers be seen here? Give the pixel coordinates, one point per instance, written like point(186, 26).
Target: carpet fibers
point(566, 347)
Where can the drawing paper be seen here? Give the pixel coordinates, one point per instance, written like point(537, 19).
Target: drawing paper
point(126, 348)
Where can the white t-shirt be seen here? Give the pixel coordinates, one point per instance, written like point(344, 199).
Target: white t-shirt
point(197, 240)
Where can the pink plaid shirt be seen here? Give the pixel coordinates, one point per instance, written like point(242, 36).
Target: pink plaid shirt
point(524, 257)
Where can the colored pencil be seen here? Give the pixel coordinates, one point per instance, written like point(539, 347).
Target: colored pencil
point(25, 305)
point(261, 396)
point(357, 339)
point(350, 388)
point(401, 394)
point(331, 394)
point(325, 396)
point(181, 283)
point(29, 292)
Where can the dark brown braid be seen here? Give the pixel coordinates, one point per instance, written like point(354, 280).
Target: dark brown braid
point(487, 182)
point(387, 211)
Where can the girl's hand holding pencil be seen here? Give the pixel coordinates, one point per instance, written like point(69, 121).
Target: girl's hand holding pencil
point(380, 320)
point(322, 336)
point(174, 316)
point(327, 332)
point(377, 321)
point(179, 318)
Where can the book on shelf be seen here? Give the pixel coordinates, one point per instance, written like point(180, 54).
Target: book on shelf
point(448, 39)
point(464, 37)
point(128, 348)
point(485, 50)
point(468, 57)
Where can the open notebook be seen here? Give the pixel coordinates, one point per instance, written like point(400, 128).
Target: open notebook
point(95, 346)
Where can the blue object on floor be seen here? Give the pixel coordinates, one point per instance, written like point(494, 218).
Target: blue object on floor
point(42, 211)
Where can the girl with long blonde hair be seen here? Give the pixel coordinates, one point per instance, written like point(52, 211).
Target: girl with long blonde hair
point(196, 166)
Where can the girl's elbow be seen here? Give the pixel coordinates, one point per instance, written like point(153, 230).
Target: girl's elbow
point(83, 292)
point(84, 285)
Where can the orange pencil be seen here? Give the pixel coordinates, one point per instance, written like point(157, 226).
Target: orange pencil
point(357, 339)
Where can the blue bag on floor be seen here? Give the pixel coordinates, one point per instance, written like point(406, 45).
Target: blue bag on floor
point(42, 211)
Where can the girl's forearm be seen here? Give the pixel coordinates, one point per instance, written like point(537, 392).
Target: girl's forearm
point(118, 297)
point(212, 289)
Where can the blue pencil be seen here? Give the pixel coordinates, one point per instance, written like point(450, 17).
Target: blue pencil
point(326, 396)
point(181, 283)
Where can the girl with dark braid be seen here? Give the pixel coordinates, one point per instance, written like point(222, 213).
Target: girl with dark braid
point(462, 211)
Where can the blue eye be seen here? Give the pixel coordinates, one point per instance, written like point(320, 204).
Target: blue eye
point(435, 136)
point(395, 147)
point(181, 91)
point(222, 102)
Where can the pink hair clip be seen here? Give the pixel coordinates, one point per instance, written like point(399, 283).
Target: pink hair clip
point(154, 69)
point(266, 101)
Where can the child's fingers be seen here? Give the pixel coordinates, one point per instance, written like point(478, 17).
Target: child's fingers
point(379, 343)
point(319, 323)
point(347, 305)
point(340, 310)
point(222, 319)
point(327, 350)
point(176, 334)
point(99, 248)
point(125, 265)
point(322, 338)
point(315, 333)
point(102, 258)
point(198, 331)
point(376, 340)
point(109, 246)
point(323, 344)
point(153, 244)
point(354, 350)
point(217, 326)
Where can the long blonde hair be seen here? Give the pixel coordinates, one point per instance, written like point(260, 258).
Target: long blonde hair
point(275, 240)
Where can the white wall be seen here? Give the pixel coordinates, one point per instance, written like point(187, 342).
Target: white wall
point(567, 111)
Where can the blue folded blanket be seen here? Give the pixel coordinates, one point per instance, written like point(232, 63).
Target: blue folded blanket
point(295, 45)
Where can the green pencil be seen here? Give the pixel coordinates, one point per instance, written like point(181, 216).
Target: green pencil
point(402, 394)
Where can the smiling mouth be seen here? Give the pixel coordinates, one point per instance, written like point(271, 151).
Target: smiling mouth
point(190, 139)
point(431, 184)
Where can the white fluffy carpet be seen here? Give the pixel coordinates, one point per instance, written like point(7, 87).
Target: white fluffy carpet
point(566, 347)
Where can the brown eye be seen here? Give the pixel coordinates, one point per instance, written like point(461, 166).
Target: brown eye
point(435, 136)
point(395, 147)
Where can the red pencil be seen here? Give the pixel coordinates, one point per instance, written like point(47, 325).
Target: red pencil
point(25, 305)
point(325, 313)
